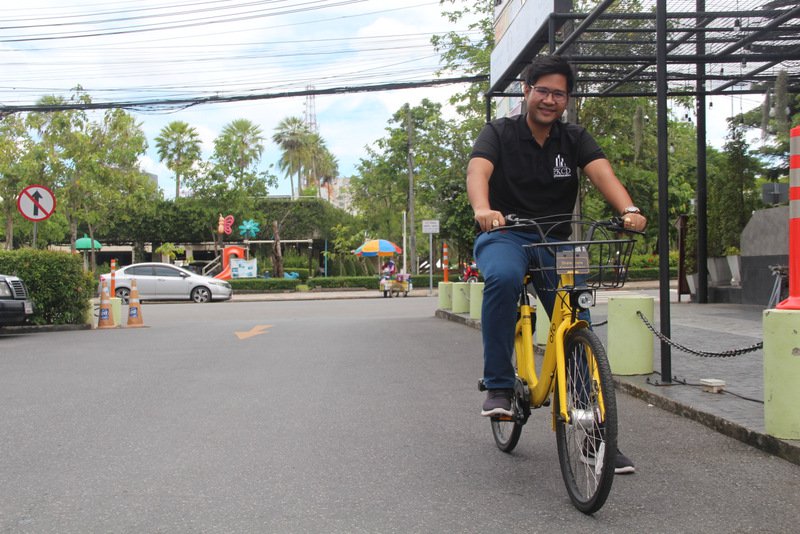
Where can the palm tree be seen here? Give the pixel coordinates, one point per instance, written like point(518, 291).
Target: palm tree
point(239, 146)
point(179, 147)
point(327, 169)
point(292, 136)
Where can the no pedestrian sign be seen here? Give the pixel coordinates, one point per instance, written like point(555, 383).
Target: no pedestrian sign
point(36, 203)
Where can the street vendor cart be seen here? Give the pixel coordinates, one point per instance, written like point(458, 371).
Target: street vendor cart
point(394, 286)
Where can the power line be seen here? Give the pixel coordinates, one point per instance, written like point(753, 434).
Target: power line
point(163, 104)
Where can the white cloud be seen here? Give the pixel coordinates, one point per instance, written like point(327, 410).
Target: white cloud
point(254, 55)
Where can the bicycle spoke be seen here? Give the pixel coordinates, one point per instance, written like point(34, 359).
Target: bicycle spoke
point(587, 442)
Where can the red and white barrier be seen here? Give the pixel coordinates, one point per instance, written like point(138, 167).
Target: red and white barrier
point(793, 302)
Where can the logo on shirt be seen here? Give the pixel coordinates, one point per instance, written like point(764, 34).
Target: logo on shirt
point(560, 169)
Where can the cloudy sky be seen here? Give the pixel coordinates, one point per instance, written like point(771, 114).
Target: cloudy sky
point(136, 50)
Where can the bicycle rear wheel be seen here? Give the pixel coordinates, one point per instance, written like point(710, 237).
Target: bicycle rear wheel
point(507, 430)
point(587, 443)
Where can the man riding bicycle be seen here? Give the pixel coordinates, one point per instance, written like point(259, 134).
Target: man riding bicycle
point(528, 165)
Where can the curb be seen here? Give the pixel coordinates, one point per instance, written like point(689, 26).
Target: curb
point(769, 444)
point(31, 329)
point(787, 450)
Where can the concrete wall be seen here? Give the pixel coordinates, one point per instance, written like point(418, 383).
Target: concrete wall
point(765, 242)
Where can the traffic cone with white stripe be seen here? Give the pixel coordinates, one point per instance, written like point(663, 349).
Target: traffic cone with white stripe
point(135, 319)
point(105, 320)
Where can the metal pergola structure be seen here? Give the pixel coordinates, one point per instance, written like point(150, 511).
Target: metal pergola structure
point(668, 49)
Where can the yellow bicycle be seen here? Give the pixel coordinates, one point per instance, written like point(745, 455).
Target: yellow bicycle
point(574, 368)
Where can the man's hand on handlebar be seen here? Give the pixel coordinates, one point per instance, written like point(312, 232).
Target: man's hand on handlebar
point(488, 219)
point(634, 222)
point(623, 224)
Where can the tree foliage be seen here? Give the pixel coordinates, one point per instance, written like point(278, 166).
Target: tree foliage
point(179, 148)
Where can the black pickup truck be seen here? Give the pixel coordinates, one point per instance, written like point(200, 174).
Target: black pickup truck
point(15, 306)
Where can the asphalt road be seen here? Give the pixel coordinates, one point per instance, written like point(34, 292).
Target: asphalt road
point(330, 416)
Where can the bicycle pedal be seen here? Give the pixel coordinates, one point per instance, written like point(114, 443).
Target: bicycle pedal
point(504, 418)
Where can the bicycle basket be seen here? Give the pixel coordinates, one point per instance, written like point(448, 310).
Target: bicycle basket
point(601, 263)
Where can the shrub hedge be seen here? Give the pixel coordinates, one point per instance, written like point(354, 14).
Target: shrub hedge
point(58, 287)
point(372, 282)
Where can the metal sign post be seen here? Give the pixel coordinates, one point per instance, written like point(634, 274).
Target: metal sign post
point(430, 227)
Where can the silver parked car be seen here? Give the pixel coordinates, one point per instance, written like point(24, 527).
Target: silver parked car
point(162, 281)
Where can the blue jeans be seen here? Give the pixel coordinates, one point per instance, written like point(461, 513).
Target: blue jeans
point(503, 261)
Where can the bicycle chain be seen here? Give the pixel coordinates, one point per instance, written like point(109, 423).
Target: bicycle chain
point(726, 354)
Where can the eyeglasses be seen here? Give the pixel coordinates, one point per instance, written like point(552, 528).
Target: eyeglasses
point(543, 92)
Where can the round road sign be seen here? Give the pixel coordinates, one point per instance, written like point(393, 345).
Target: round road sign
point(36, 203)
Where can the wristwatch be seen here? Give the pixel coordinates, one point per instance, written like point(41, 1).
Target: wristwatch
point(631, 209)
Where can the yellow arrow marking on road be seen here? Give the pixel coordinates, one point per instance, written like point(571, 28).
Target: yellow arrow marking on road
point(256, 330)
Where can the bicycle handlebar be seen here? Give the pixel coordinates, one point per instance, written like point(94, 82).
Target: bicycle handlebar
point(614, 224)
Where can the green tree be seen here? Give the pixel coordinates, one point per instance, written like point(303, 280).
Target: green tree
point(469, 53)
point(15, 148)
point(322, 166)
point(238, 150)
point(292, 137)
point(67, 156)
point(179, 148)
point(233, 178)
point(731, 199)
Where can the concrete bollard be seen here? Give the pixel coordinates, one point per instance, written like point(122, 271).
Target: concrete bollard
point(445, 295)
point(542, 327)
point(630, 343)
point(782, 373)
point(460, 297)
point(116, 310)
point(475, 300)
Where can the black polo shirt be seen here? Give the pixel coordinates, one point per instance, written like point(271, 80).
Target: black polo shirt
point(529, 180)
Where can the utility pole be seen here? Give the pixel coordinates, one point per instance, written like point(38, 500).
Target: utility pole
point(412, 234)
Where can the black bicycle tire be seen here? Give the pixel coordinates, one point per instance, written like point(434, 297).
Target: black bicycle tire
point(512, 429)
point(577, 474)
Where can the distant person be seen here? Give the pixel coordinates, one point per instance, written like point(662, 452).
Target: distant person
point(389, 267)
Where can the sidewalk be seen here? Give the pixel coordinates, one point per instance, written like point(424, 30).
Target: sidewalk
point(738, 412)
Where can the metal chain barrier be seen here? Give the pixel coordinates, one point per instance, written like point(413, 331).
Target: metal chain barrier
point(724, 354)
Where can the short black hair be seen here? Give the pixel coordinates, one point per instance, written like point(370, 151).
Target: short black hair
point(544, 65)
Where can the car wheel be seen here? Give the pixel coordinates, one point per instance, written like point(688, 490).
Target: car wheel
point(123, 293)
point(201, 294)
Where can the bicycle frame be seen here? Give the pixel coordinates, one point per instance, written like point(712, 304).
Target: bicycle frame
point(563, 321)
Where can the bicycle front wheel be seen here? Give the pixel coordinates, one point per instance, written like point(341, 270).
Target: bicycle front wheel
point(587, 443)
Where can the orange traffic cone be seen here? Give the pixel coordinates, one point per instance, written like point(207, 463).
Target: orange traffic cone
point(105, 320)
point(134, 307)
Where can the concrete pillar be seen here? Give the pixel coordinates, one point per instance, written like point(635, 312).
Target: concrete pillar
point(475, 300)
point(460, 297)
point(445, 295)
point(630, 342)
point(782, 373)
